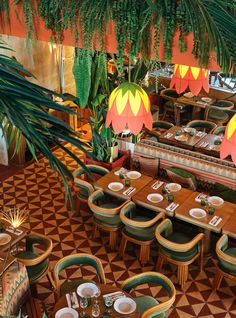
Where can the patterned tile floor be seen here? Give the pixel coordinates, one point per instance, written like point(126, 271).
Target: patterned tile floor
point(38, 189)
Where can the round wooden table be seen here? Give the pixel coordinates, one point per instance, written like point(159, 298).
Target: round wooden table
point(105, 289)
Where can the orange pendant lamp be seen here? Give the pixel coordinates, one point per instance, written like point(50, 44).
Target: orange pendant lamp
point(228, 145)
point(129, 107)
point(191, 77)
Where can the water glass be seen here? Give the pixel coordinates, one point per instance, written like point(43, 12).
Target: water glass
point(96, 309)
point(108, 302)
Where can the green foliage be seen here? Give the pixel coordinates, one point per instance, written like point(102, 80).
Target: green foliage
point(23, 113)
point(212, 22)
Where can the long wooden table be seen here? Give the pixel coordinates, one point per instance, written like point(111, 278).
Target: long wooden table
point(15, 238)
point(225, 211)
point(140, 198)
point(112, 177)
point(196, 102)
point(229, 227)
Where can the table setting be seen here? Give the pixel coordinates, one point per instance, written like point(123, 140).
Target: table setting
point(95, 300)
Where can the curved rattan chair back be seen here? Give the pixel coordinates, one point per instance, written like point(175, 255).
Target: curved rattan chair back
point(157, 279)
point(207, 126)
point(78, 259)
point(169, 94)
point(220, 130)
point(226, 261)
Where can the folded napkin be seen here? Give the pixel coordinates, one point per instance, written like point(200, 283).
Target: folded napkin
point(17, 232)
point(172, 207)
point(156, 185)
point(121, 171)
point(72, 300)
point(215, 220)
point(201, 196)
point(115, 295)
point(201, 133)
point(129, 191)
point(169, 135)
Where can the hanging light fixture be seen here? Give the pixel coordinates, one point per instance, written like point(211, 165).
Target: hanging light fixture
point(228, 145)
point(191, 77)
point(129, 108)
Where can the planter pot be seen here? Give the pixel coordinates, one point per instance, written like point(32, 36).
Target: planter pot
point(122, 159)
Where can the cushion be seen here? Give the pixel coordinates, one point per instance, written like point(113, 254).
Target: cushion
point(218, 115)
point(224, 192)
point(185, 178)
point(181, 238)
point(146, 302)
point(145, 164)
point(112, 221)
point(226, 266)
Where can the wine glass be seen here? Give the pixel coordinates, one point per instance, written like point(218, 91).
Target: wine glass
point(96, 309)
point(83, 304)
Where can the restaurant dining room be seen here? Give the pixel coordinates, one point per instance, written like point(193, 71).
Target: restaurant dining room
point(117, 158)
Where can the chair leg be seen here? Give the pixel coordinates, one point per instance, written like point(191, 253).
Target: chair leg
point(160, 262)
point(144, 254)
point(113, 240)
point(123, 245)
point(77, 204)
point(182, 275)
point(164, 114)
point(50, 279)
point(218, 279)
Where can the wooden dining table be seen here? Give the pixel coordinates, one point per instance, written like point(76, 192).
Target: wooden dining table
point(207, 145)
point(229, 227)
point(140, 197)
point(105, 289)
point(138, 184)
point(196, 102)
point(224, 212)
point(169, 137)
point(16, 236)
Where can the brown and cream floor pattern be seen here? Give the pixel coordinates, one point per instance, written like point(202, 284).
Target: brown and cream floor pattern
point(37, 188)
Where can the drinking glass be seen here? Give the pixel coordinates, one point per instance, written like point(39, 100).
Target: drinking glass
point(96, 309)
point(97, 294)
point(170, 198)
point(108, 302)
point(83, 304)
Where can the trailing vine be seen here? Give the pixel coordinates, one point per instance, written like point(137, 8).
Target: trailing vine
point(139, 24)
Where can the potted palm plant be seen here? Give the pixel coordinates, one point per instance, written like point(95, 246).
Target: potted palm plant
point(103, 146)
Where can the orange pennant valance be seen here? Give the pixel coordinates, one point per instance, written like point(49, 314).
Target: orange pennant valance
point(129, 107)
point(193, 78)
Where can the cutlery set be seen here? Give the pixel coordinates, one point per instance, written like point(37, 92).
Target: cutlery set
point(204, 144)
point(14, 231)
point(157, 185)
point(169, 135)
point(129, 191)
point(172, 207)
point(215, 220)
point(115, 295)
point(201, 133)
point(72, 300)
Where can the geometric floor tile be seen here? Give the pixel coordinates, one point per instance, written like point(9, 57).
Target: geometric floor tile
point(37, 188)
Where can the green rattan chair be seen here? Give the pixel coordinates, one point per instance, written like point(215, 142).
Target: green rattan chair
point(219, 131)
point(140, 224)
point(36, 256)
point(202, 125)
point(84, 183)
point(183, 177)
point(226, 261)
point(169, 97)
point(106, 218)
point(217, 112)
point(178, 248)
point(148, 306)
point(76, 260)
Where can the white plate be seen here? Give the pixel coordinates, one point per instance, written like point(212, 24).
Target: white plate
point(125, 305)
point(181, 138)
point(133, 175)
point(67, 312)
point(4, 238)
point(189, 95)
point(197, 213)
point(206, 99)
point(155, 197)
point(215, 201)
point(87, 290)
point(115, 186)
point(189, 129)
point(173, 187)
